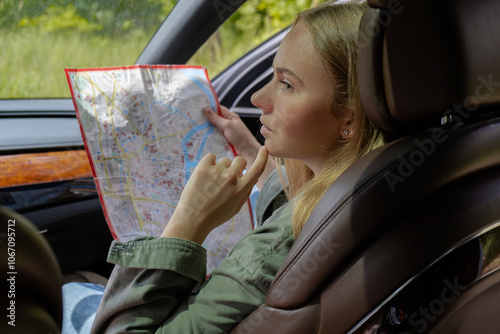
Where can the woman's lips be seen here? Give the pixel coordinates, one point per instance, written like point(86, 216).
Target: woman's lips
point(264, 129)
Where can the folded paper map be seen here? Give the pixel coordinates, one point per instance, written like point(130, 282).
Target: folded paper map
point(144, 130)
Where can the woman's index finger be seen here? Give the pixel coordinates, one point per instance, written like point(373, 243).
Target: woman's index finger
point(254, 172)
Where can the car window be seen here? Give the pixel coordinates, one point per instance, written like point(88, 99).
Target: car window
point(41, 38)
point(253, 23)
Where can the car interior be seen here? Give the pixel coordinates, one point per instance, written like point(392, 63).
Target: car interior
point(398, 242)
point(399, 229)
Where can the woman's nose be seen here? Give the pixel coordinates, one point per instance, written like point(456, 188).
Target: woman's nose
point(262, 99)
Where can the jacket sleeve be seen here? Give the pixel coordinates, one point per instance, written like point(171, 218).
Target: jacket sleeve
point(144, 282)
point(154, 294)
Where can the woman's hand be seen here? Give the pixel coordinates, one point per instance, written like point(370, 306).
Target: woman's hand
point(236, 132)
point(214, 193)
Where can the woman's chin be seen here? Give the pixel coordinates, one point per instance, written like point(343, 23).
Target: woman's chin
point(272, 150)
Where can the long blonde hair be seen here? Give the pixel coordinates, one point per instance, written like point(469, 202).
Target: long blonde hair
point(333, 28)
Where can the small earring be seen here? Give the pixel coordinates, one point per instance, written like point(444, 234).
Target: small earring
point(346, 132)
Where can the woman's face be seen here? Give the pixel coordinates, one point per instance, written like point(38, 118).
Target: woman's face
point(297, 120)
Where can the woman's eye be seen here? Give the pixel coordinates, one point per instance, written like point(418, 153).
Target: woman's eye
point(286, 85)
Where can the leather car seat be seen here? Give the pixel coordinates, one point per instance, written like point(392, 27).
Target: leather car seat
point(429, 75)
point(31, 288)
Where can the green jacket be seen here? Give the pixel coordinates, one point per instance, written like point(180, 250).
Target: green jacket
point(159, 285)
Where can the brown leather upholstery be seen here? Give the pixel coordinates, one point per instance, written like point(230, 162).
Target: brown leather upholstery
point(420, 59)
point(35, 278)
point(473, 311)
point(400, 207)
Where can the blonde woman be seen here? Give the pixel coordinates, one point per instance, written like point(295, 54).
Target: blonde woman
point(312, 118)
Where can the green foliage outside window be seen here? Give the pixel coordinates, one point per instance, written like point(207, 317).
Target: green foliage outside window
point(41, 38)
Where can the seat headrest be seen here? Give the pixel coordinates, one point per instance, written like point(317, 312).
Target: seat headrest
point(420, 61)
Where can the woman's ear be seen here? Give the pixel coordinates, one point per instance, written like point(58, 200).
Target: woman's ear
point(347, 128)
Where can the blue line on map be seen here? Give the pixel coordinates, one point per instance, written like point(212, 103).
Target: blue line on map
point(170, 107)
point(145, 124)
point(122, 143)
point(203, 142)
point(192, 74)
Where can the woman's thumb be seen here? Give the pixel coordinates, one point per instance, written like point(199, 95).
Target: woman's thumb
point(213, 117)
